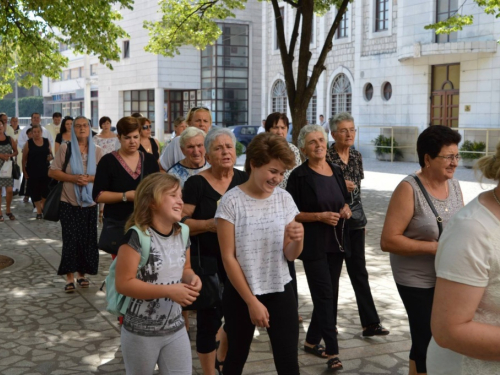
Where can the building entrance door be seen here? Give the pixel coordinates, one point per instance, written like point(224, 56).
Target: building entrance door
point(445, 95)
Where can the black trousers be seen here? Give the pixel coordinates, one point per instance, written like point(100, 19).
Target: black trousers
point(283, 331)
point(356, 268)
point(418, 305)
point(323, 279)
point(293, 275)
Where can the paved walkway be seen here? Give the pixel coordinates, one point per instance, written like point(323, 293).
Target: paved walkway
point(45, 331)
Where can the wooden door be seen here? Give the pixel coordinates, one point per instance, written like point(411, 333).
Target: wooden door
point(445, 108)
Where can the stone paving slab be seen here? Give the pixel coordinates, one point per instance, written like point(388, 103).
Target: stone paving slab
point(46, 331)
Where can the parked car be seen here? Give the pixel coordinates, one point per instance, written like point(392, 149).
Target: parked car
point(244, 133)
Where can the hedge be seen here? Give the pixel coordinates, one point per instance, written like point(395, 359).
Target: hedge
point(27, 106)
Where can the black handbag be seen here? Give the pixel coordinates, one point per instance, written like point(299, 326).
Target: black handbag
point(113, 230)
point(358, 219)
point(211, 289)
point(16, 170)
point(111, 235)
point(53, 202)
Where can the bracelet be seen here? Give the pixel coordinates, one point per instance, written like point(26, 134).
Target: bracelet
point(185, 218)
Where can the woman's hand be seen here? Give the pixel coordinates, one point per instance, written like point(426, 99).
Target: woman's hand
point(351, 186)
point(295, 231)
point(82, 180)
point(345, 212)
point(194, 283)
point(258, 314)
point(183, 294)
point(328, 217)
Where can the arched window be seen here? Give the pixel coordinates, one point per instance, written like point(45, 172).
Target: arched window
point(341, 95)
point(279, 97)
point(311, 110)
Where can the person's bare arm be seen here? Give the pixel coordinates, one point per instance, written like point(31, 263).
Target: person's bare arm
point(25, 159)
point(258, 312)
point(327, 217)
point(128, 284)
point(61, 176)
point(110, 197)
point(14, 148)
point(294, 240)
point(399, 214)
point(197, 226)
point(452, 326)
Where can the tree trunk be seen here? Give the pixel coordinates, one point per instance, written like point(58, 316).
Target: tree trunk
point(298, 120)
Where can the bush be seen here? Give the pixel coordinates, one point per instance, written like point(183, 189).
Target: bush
point(383, 146)
point(240, 149)
point(467, 148)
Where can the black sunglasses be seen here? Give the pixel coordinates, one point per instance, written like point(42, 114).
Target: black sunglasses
point(146, 127)
point(200, 107)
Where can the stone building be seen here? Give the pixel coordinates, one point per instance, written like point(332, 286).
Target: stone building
point(388, 71)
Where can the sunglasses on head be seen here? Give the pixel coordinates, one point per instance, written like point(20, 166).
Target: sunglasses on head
point(146, 127)
point(199, 107)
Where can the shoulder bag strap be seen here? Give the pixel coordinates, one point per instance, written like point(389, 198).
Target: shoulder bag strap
point(428, 199)
point(145, 239)
point(67, 157)
point(142, 164)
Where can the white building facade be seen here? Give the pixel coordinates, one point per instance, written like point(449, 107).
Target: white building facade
point(388, 71)
point(225, 77)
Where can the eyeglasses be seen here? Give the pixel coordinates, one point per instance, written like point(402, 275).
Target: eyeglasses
point(450, 158)
point(81, 126)
point(146, 127)
point(199, 107)
point(345, 131)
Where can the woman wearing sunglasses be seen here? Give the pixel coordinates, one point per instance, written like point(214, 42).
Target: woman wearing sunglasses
point(148, 143)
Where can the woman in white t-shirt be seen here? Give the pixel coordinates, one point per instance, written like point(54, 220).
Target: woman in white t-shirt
point(466, 312)
point(258, 233)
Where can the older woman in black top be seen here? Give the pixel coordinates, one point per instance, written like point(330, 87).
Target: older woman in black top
point(201, 195)
point(320, 192)
point(119, 173)
point(350, 161)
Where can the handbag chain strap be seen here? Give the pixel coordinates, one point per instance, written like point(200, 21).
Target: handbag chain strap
point(341, 246)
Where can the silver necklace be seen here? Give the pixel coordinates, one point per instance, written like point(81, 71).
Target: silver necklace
point(495, 196)
point(341, 247)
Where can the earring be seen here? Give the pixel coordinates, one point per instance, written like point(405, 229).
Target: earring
point(427, 165)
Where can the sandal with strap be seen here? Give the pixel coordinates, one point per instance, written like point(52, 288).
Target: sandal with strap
point(10, 216)
point(317, 350)
point(375, 330)
point(334, 364)
point(69, 287)
point(219, 365)
point(83, 282)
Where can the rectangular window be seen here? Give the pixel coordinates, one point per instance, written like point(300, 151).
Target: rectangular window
point(276, 44)
point(446, 9)
point(381, 15)
point(142, 101)
point(66, 75)
point(75, 73)
point(93, 69)
point(126, 49)
point(343, 29)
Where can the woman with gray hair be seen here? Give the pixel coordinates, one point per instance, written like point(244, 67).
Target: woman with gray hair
point(192, 146)
point(201, 195)
point(319, 190)
point(350, 161)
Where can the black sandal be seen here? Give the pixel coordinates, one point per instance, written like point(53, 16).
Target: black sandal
point(317, 350)
point(218, 365)
point(69, 288)
point(334, 364)
point(10, 216)
point(375, 330)
point(83, 282)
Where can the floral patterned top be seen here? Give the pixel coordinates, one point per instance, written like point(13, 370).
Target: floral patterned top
point(183, 173)
point(298, 161)
point(353, 170)
point(107, 144)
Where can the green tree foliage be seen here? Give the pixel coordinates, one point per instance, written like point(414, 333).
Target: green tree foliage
point(457, 21)
point(27, 106)
point(194, 23)
point(31, 30)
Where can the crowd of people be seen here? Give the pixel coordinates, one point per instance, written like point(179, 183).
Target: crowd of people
point(246, 229)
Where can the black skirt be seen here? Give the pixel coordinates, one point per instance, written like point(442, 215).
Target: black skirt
point(79, 236)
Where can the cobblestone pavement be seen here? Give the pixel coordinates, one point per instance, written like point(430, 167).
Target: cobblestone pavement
point(45, 331)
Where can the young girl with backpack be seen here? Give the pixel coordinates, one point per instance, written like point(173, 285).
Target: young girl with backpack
point(153, 328)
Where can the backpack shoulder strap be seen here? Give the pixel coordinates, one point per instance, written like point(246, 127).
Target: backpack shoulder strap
point(145, 239)
point(184, 233)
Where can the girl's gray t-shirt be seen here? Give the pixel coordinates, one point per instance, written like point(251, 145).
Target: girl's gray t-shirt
point(418, 271)
point(167, 256)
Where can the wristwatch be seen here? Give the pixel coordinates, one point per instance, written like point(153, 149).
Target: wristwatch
point(124, 198)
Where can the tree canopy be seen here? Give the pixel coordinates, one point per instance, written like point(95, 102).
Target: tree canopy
point(194, 23)
point(457, 21)
point(31, 31)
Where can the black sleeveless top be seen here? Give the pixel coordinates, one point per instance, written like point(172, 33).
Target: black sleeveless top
point(154, 149)
point(37, 163)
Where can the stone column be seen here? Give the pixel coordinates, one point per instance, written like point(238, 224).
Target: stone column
point(159, 114)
